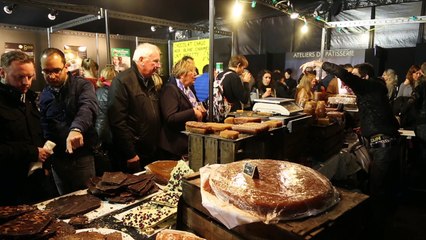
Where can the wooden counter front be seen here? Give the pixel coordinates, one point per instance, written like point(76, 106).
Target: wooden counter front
point(343, 221)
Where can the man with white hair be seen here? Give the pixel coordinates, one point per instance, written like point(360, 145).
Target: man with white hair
point(133, 111)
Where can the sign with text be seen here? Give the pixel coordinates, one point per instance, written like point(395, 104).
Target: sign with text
point(120, 58)
point(197, 49)
point(23, 47)
point(327, 53)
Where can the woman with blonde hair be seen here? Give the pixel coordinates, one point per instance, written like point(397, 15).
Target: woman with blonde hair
point(304, 89)
point(89, 70)
point(391, 80)
point(103, 83)
point(178, 104)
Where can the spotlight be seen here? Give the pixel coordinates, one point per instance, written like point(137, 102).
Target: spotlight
point(9, 8)
point(52, 15)
point(294, 15)
point(171, 29)
point(153, 29)
point(304, 28)
point(237, 10)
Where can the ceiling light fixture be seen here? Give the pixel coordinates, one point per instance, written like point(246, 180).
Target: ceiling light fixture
point(294, 15)
point(237, 10)
point(153, 29)
point(304, 28)
point(52, 15)
point(8, 9)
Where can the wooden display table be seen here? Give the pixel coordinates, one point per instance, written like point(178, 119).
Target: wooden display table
point(277, 143)
point(343, 221)
point(211, 148)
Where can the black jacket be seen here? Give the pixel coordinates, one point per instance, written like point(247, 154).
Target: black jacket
point(375, 111)
point(21, 136)
point(134, 114)
point(176, 110)
point(101, 125)
point(235, 91)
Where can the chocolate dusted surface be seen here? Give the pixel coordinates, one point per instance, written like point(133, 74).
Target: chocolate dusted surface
point(285, 190)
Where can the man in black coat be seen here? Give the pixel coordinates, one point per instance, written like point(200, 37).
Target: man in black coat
point(380, 128)
point(21, 139)
point(134, 111)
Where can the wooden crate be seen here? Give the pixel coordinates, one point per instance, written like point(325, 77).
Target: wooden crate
point(211, 149)
point(343, 221)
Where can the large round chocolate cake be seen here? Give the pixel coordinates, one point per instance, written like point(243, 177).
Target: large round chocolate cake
point(284, 190)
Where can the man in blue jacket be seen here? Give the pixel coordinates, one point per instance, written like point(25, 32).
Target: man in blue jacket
point(68, 112)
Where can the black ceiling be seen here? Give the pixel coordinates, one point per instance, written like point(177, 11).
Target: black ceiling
point(29, 13)
point(34, 12)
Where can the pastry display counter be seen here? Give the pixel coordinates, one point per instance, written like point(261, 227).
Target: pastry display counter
point(339, 222)
point(277, 143)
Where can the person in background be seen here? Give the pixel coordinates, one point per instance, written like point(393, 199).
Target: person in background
point(179, 105)
point(264, 85)
point(22, 140)
point(90, 69)
point(68, 109)
point(418, 102)
point(235, 89)
point(423, 68)
point(411, 81)
point(201, 85)
point(102, 127)
point(290, 82)
point(304, 89)
point(405, 112)
point(391, 80)
point(134, 111)
point(380, 128)
point(281, 88)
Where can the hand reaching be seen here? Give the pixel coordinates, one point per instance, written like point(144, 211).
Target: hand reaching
point(74, 141)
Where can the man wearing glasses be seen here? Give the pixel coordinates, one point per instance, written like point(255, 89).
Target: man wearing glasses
point(133, 111)
point(68, 109)
point(21, 139)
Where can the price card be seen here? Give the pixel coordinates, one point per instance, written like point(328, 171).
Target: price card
point(251, 170)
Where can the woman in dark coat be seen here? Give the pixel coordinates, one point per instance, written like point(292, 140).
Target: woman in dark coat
point(179, 104)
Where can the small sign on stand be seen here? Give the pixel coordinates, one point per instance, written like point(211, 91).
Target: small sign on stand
point(251, 170)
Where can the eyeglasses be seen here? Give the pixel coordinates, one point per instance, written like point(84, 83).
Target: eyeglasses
point(55, 71)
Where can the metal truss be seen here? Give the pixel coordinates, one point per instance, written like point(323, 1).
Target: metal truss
point(377, 22)
point(96, 11)
point(75, 22)
point(162, 22)
point(352, 4)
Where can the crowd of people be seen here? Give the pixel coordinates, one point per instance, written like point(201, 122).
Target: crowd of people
point(132, 119)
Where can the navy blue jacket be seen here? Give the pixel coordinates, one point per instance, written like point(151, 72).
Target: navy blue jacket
point(73, 106)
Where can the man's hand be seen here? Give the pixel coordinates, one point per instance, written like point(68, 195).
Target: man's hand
point(134, 165)
point(43, 154)
point(74, 141)
point(314, 64)
point(246, 77)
